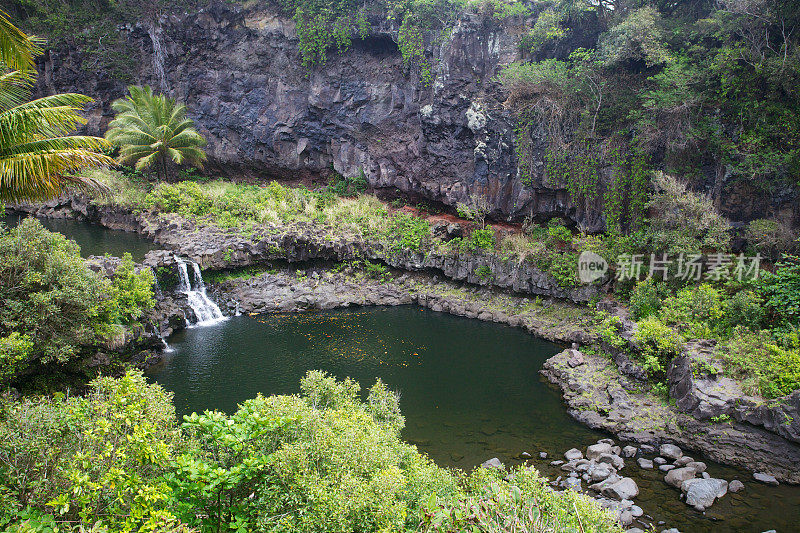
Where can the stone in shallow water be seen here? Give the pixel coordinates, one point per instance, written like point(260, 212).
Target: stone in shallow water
point(629, 451)
point(494, 462)
point(624, 489)
point(666, 468)
point(659, 461)
point(573, 455)
point(765, 478)
point(670, 451)
point(543, 455)
point(645, 463)
point(676, 477)
point(735, 486)
point(596, 450)
point(701, 493)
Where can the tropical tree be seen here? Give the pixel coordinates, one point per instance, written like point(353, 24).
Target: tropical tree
point(39, 158)
point(152, 129)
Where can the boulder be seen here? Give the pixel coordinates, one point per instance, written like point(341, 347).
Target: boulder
point(683, 461)
point(596, 450)
point(573, 455)
point(670, 451)
point(624, 489)
point(575, 359)
point(677, 476)
point(765, 478)
point(494, 462)
point(735, 486)
point(666, 468)
point(629, 451)
point(645, 463)
point(660, 461)
point(698, 466)
point(614, 460)
point(600, 471)
point(701, 493)
point(573, 483)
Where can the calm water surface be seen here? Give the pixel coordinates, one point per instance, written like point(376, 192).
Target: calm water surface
point(93, 238)
point(469, 390)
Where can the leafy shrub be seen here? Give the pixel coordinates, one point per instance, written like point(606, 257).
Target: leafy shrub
point(762, 364)
point(657, 345)
point(558, 236)
point(781, 291)
point(408, 232)
point(769, 237)
point(745, 308)
point(348, 187)
point(57, 306)
point(89, 459)
point(646, 298)
point(697, 311)
point(320, 461)
point(609, 330)
point(480, 239)
point(683, 221)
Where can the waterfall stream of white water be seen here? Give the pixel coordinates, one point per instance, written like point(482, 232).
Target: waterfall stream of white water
point(205, 310)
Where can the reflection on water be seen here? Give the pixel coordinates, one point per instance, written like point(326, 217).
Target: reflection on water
point(92, 238)
point(467, 388)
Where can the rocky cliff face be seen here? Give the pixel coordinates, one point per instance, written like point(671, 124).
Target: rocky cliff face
point(266, 116)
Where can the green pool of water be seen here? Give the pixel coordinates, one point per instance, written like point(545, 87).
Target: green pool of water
point(469, 390)
point(92, 238)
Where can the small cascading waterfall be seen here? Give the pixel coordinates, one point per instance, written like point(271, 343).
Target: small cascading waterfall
point(154, 31)
point(206, 311)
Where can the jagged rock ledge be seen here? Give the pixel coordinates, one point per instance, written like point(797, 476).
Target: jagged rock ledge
point(601, 397)
point(215, 248)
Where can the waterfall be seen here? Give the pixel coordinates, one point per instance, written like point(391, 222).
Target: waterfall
point(154, 31)
point(206, 311)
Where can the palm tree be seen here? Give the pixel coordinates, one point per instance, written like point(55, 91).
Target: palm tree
point(152, 129)
point(39, 158)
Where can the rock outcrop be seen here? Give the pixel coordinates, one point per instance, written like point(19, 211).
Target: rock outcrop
point(363, 112)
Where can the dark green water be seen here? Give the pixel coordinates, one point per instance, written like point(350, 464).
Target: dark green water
point(92, 238)
point(469, 390)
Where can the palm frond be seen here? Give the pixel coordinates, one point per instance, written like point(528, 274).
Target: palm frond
point(17, 49)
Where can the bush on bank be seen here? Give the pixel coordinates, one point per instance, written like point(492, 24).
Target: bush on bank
point(320, 461)
point(54, 309)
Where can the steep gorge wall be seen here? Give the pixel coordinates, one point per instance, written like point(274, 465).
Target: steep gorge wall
point(266, 116)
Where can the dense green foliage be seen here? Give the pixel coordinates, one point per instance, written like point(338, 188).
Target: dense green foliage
point(39, 158)
point(54, 307)
point(690, 85)
point(323, 461)
point(151, 130)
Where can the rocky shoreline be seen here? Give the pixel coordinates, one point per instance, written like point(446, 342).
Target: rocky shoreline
point(617, 403)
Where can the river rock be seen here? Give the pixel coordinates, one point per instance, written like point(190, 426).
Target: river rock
point(698, 466)
point(666, 468)
point(494, 462)
point(670, 451)
point(573, 455)
point(629, 451)
point(542, 455)
point(765, 478)
point(596, 450)
point(701, 493)
point(659, 461)
point(575, 359)
point(735, 486)
point(683, 461)
point(600, 471)
point(614, 460)
point(677, 476)
point(647, 464)
point(556, 463)
point(573, 483)
point(525, 455)
point(624, 489)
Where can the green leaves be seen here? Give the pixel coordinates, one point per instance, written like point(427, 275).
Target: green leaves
point(152, 129)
